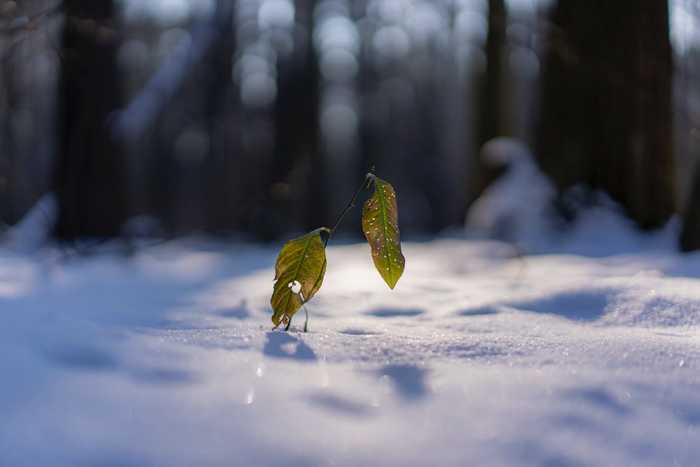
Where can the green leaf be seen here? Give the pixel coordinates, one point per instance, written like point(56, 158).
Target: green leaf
point(299, 272)
point(380, 223)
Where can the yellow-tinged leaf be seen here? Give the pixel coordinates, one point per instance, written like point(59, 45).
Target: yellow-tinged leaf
point(380, 224)
point(299, 272)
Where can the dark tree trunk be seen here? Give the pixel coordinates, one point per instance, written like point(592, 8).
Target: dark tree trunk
point(690, 233)
point(89, 167)
point(491, 105)
point(490, 114)
point(296, 173)
point(314, 203)
point(606, 116)
point(9, 214)
point(220, 164)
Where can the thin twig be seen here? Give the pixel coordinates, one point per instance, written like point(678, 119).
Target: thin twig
point(351, 204)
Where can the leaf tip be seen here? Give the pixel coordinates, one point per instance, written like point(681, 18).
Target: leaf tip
point(392, 281)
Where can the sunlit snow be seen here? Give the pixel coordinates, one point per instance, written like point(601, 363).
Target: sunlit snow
point(478, 357)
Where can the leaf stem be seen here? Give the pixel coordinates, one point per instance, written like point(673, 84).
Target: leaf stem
point(369, 178)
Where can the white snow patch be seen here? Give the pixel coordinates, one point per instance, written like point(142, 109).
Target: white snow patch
point(478, 357)
point(518, 208)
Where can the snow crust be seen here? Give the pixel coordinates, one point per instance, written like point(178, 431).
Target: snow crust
point(479, 357)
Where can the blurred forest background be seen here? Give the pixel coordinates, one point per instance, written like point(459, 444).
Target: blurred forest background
point(258, 118)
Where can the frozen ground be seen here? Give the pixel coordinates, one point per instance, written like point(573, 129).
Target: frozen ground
point(477, 358)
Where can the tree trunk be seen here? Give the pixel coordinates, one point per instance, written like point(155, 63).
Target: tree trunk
point(89, 167)
point(606, 118)
point(220, 164)
point(297, 149)
point(490, 112)
point(690, 233)
point(491, 105)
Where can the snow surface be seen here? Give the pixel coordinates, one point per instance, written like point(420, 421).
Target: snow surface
point(584, 352)
point(478, 357)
